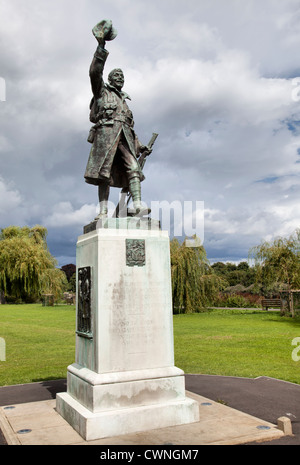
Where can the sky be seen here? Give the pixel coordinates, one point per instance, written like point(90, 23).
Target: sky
point(218, 80)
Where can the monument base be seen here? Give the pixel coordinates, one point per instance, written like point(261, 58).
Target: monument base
point(131, 420)
point(124, 379)
point(110, 404)
point(109, 423)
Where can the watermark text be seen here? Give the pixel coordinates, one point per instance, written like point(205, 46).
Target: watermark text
point(2, 350)
point(2, 89)
point(183, 219)
point(295, 355)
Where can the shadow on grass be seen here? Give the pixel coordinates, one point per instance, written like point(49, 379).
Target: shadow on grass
point(286, 320)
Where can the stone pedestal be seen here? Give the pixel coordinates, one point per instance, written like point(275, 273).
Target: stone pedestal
point(124, 379)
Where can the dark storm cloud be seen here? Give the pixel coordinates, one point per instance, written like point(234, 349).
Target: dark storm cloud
point(213, 78)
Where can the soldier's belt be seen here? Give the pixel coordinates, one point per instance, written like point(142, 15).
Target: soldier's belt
point(123, 119)
point(108, 122)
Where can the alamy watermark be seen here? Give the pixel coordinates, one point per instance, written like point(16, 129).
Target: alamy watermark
point(296, 342)
point(2, 89)
point(183, 219)
point(296, 89)
point(2, 350)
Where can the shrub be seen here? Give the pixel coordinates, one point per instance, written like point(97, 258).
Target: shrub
point(237, 301)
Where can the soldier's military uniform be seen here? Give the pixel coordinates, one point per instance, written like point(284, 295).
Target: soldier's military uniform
point(115, 146)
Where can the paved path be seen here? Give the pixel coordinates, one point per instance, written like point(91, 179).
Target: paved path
point(264, 398)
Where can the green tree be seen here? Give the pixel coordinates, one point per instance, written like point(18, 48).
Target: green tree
point(235, 274)
point(194, 285)
point(278, 263)
point(27, 269)
point(219, 268)
point(244, 266)
point(71, 286)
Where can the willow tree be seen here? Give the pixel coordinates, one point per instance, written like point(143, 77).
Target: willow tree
point(194, 285)
point(278, 264)
point(27, 268)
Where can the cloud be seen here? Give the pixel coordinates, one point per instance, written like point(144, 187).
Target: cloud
point(10, 198)
point(64, 215)
point(213, 78)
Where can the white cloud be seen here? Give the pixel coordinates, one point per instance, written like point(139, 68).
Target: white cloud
point(64, 215)
point(10, 199)
point(213, 78)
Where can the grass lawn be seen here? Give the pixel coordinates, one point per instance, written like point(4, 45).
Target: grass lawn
point(40, 343)
point(244, 343)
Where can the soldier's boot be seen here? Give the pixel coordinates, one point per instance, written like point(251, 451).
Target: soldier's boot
point(135, 190)
point(103, 194)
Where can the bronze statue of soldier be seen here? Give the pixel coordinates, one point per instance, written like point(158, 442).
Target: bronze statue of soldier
point(113, 159)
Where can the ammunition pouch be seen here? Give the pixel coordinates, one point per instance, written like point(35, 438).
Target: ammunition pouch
point(91, 136)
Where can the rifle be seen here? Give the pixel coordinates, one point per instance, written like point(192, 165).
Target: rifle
point(142, 159)
point(125, 191)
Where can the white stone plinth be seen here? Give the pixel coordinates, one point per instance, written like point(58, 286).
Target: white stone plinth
point(124, 379)
point(124, 421)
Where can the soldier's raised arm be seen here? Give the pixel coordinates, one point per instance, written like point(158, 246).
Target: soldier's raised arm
point(103, 31)
point(96, 70)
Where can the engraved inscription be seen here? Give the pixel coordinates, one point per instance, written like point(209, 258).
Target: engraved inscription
point(84, 327)
point(135, 252)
